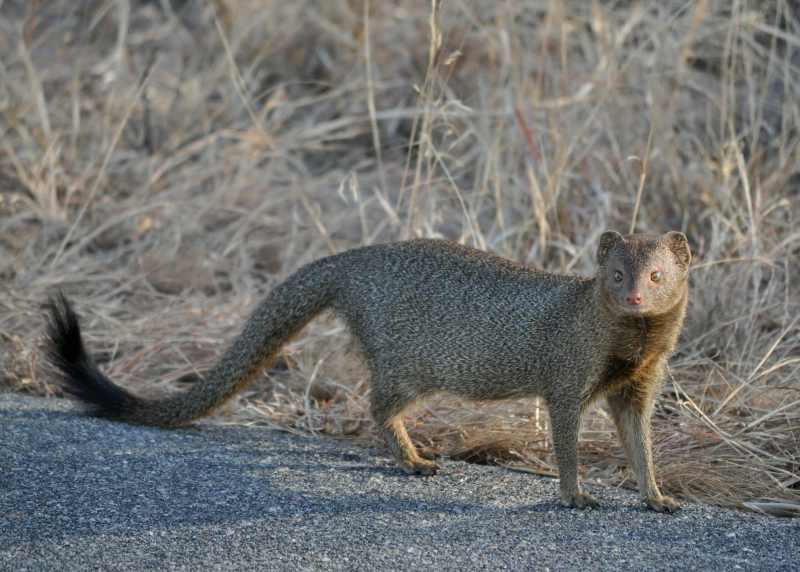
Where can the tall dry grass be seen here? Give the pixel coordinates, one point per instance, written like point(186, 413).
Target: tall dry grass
point(166, 163)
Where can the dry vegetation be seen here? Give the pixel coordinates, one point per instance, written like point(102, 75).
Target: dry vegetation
point(166, 163)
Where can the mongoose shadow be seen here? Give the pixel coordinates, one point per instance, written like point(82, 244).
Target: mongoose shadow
point(156, 487)
point(434, 316)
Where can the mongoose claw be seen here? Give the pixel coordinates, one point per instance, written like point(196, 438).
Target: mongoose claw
point(663, 503)
point(421, 467)
point(580, 500)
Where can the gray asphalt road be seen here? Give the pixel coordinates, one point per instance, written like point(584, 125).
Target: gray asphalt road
point(80, 493)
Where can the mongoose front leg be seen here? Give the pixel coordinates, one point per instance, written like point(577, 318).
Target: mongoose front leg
point(632, 413)
point(565, 425)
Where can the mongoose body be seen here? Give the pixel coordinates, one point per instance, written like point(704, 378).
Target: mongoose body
point(433, 316)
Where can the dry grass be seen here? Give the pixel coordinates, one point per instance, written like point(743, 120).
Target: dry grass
point(166, 166)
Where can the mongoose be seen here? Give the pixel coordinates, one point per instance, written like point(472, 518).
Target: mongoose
point(432, 316)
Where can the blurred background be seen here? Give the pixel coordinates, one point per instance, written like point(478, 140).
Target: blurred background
point(167, 162)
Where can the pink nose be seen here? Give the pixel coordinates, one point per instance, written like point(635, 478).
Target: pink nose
point(634, 298)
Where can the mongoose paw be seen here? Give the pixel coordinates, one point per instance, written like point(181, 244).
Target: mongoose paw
point(579, 500)
point(427, 454)
point(663, 503)
point(421, 467)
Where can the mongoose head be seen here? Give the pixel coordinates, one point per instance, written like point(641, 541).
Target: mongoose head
point(640, 274)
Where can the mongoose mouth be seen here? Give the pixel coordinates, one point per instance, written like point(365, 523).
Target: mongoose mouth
point(640, 310)
point(632, 310)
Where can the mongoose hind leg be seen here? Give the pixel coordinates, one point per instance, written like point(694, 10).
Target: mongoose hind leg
point(631, 412)
point(565, 423)
point(396, 437)
point(387, 410)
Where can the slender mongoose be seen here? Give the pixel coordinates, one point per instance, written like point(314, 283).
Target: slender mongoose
point(433, 316)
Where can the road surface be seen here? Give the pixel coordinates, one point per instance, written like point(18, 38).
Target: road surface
point(78, 493)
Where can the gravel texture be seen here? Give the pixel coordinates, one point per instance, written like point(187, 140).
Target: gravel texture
point(78, 493)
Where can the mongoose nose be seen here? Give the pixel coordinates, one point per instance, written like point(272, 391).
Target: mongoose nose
point(634, 298)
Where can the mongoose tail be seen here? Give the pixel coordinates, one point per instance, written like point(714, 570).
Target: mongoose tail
point(284, 312)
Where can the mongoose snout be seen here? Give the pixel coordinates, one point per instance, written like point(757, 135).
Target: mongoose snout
point(634, 298)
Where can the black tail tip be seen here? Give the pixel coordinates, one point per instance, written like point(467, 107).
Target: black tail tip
point(79, 375)
point(64, 340)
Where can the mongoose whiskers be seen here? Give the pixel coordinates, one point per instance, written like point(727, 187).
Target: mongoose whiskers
point(432, 316)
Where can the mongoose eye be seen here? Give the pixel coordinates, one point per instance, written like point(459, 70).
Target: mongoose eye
point(617, 276)
point(656, 276)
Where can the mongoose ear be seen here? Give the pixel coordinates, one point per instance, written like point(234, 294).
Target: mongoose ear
point(608, 240)
point(679, 245)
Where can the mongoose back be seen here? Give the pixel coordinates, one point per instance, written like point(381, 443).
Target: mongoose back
point(433, 316)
